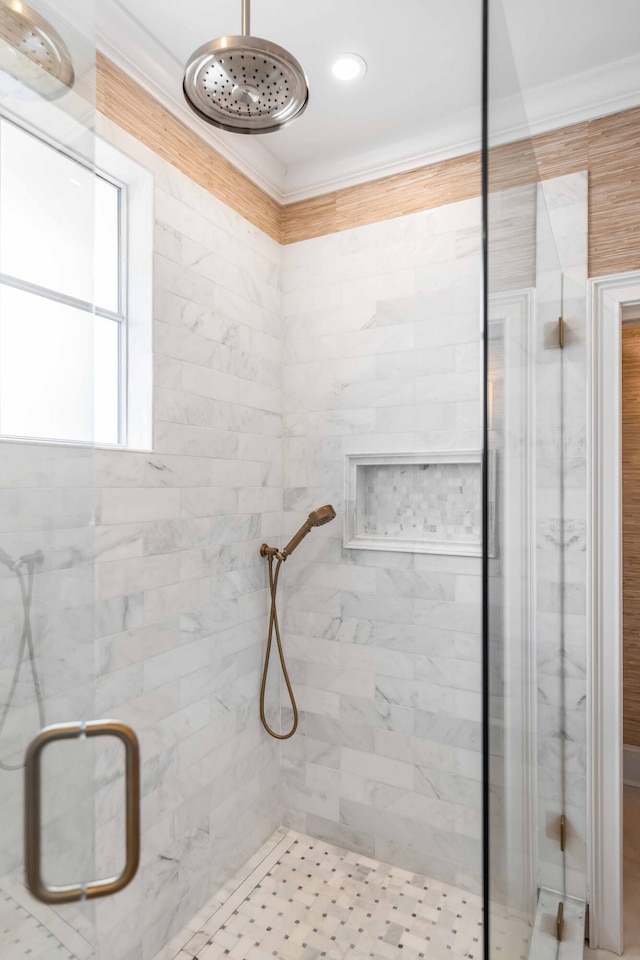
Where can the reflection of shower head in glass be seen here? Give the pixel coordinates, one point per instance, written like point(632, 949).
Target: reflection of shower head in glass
point(33, 55)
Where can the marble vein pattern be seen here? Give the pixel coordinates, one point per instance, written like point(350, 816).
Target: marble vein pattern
point(270, 366)
point(381, 356)
point(179, 529)
point(47, 504)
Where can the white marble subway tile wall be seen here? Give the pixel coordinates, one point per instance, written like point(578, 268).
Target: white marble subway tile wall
point(47, 505)
point(381, 355)
point(181, 587)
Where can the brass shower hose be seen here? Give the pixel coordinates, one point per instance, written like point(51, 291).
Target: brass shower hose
point(274, 627)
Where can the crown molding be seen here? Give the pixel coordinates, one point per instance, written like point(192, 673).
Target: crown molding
point(124, 41)
point(456, 138)
point(585, 96)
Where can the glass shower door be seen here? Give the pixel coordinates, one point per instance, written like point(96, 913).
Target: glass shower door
point(536, 224)
point(47, 487)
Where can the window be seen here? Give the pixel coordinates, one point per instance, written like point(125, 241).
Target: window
point(63, 296)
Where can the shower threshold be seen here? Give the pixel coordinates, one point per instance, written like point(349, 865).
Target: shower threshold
point(301, 899)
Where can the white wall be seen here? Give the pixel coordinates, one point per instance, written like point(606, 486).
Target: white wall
point(381, 353)
point(179, 570)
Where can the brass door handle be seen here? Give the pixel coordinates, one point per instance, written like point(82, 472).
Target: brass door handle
point(33, 813)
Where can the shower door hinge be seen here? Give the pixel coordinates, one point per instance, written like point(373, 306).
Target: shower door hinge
point(560, 921)
point(563, 832)
point(561, 332)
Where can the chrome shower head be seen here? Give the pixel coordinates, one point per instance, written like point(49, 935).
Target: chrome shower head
point(32, 52)
point(243, 84)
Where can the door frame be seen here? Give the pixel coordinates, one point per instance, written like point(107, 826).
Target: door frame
point(607, 296)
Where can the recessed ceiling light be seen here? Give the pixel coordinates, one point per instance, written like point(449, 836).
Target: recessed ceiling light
point(349, 67)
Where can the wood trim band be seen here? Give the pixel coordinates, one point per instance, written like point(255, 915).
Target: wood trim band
point(609, 148)
point(384, 199)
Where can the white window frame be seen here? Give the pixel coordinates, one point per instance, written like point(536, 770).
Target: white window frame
point(137, 236)
point(135, 312)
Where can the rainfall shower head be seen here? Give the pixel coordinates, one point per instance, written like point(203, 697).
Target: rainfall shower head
point(32, 53)
point(243, 84)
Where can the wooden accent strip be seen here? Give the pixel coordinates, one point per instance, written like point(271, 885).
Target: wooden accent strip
point(562, 151)
point(384, 199)
point(540, 158)
point(614, 193)
point(609, 148)
point(121, 99)
point(631, 531)
point(316, 217)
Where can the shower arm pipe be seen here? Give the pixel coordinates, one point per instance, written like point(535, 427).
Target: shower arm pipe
point(246, 18)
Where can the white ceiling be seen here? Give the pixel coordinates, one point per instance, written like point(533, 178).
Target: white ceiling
point(420, 98)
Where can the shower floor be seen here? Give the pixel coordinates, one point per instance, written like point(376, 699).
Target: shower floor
point(307, 899)
point(33, 931)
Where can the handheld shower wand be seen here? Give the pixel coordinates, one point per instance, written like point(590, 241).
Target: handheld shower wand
point(315, 519)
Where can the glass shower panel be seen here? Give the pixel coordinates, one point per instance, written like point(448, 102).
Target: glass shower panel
point(47, 488)
point(530, 725)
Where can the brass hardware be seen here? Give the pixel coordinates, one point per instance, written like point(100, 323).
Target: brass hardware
point(267, 552)
point(274, 626)
point(317, 518)
point(561, 332)
point(33, 813)
point(560, 921)
point(563, 833)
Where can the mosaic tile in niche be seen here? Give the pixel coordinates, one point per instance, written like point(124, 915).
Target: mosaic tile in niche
point(436, 502)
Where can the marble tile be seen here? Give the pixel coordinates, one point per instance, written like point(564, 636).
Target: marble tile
point(376, 341)
point(310, 899)
point(183, 601)
point(384, 373)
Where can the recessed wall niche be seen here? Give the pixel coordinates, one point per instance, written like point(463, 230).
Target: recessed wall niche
point(418, 503)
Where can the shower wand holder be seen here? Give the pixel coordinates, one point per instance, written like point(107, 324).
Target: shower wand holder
point(317, 518)
point(267, 551)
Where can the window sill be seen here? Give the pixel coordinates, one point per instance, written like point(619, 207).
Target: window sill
point(79, 444)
